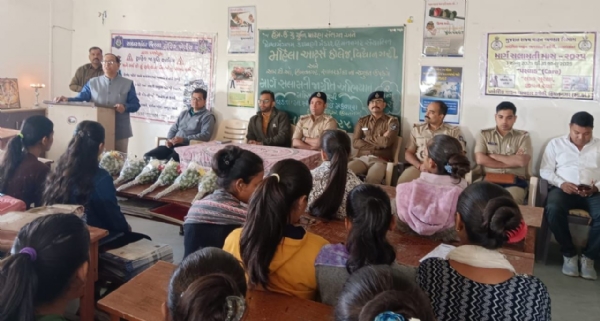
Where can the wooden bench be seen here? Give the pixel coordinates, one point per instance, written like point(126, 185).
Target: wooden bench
point(141, 299)
point(410, 248)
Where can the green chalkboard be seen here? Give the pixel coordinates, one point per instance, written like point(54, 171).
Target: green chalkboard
point(347, 64)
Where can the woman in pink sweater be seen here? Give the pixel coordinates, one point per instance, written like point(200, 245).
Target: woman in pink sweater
point(428, 204)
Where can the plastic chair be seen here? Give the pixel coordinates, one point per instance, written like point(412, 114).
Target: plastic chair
point(234, 130)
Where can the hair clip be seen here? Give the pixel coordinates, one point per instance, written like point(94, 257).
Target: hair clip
point(227, 162)
point(29, 251)
point(276, 175)
point(448, 168)
point(20, 135)
point(518, 234)
point(389, 316)
point(236, 306)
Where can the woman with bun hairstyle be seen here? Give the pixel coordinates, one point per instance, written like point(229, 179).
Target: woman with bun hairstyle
point(381, 293)
point(212, 218)
point(475, 281)
point(208, 285)
point(278, 254)
point(22, 175)
point(47, 268)
point(428, 204)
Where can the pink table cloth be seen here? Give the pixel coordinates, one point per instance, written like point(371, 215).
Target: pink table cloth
point(204, 152)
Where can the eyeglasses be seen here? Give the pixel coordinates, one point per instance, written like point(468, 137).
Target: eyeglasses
point(377, 101)
point(197, 99)
point(110, 63)
point(264, 101)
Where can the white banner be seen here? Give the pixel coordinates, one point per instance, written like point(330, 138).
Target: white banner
point(166, 68)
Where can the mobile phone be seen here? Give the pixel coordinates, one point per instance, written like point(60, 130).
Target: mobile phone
point(583, 187)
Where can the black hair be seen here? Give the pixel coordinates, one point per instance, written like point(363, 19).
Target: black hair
point(232, 163)
point(506, 105)
point(34, 129)
point(442, 105)
point(269, 213)
point(200, 91)
point(583, 119)
point(95, 48)
point(447, 150)
point(373, 290)
point(369, 210)
point(488, 211)
point(336, 144)
point(200, 285)
point(61, 243)
point(77, 167)
point(268, 92)
point(117, 58)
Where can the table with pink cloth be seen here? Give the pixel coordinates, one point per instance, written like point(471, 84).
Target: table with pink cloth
point(204, 152)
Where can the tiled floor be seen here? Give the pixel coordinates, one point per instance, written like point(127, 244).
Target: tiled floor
point(572, 298)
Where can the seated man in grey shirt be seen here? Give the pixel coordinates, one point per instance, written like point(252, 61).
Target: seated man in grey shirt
point(195, 123)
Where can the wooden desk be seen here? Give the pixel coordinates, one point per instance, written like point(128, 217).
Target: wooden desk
point(410, 248)
point(86, 303)
point(5, 135)
point(141, 299)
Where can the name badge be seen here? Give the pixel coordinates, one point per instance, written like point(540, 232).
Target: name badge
point(492, 143)
point(365, 128)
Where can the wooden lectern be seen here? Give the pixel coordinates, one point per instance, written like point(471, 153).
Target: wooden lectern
point(66, 116)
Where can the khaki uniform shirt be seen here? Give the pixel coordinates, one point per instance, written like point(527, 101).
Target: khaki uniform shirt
point(514, 142)
point(312, 127)
point(368, 136)
point(420, 135)
point(83, 75)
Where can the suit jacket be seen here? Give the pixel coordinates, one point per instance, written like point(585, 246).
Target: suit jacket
point(278, 130)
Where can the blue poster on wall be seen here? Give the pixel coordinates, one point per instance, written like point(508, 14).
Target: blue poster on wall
point(441, 83)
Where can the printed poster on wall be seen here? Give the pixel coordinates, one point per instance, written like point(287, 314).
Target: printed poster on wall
point(441, 83)
point(242, 27)
point(240, 85)
point(165, 69)
point(444, 30)
point(544, 65)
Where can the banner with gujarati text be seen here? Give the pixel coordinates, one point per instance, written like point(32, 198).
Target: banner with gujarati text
point(165, 69)
point(544, 65)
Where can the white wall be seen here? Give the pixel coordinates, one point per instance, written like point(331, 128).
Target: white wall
point(25, 45)
point(543, 118)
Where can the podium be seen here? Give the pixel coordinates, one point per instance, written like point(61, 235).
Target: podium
point(66, 116)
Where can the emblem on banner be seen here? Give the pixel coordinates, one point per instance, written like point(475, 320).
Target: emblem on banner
point(497, 44)
point(204, 46)
point(118, 42)
point(585, 44)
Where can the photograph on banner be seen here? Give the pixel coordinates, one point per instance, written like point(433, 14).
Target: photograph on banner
point(543, 65)
point(444, 28)
point(240, 87)
point(441, 83)
point(242, 27)
point(165, 69)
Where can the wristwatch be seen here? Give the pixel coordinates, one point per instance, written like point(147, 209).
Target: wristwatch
point(304, 139)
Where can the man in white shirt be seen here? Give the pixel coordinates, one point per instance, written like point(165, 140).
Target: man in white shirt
point(571, 164)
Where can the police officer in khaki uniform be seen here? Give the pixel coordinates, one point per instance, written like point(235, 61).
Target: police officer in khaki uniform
point(309, 127)
point(505, 150)
point(420, 136)
point(374, 137)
